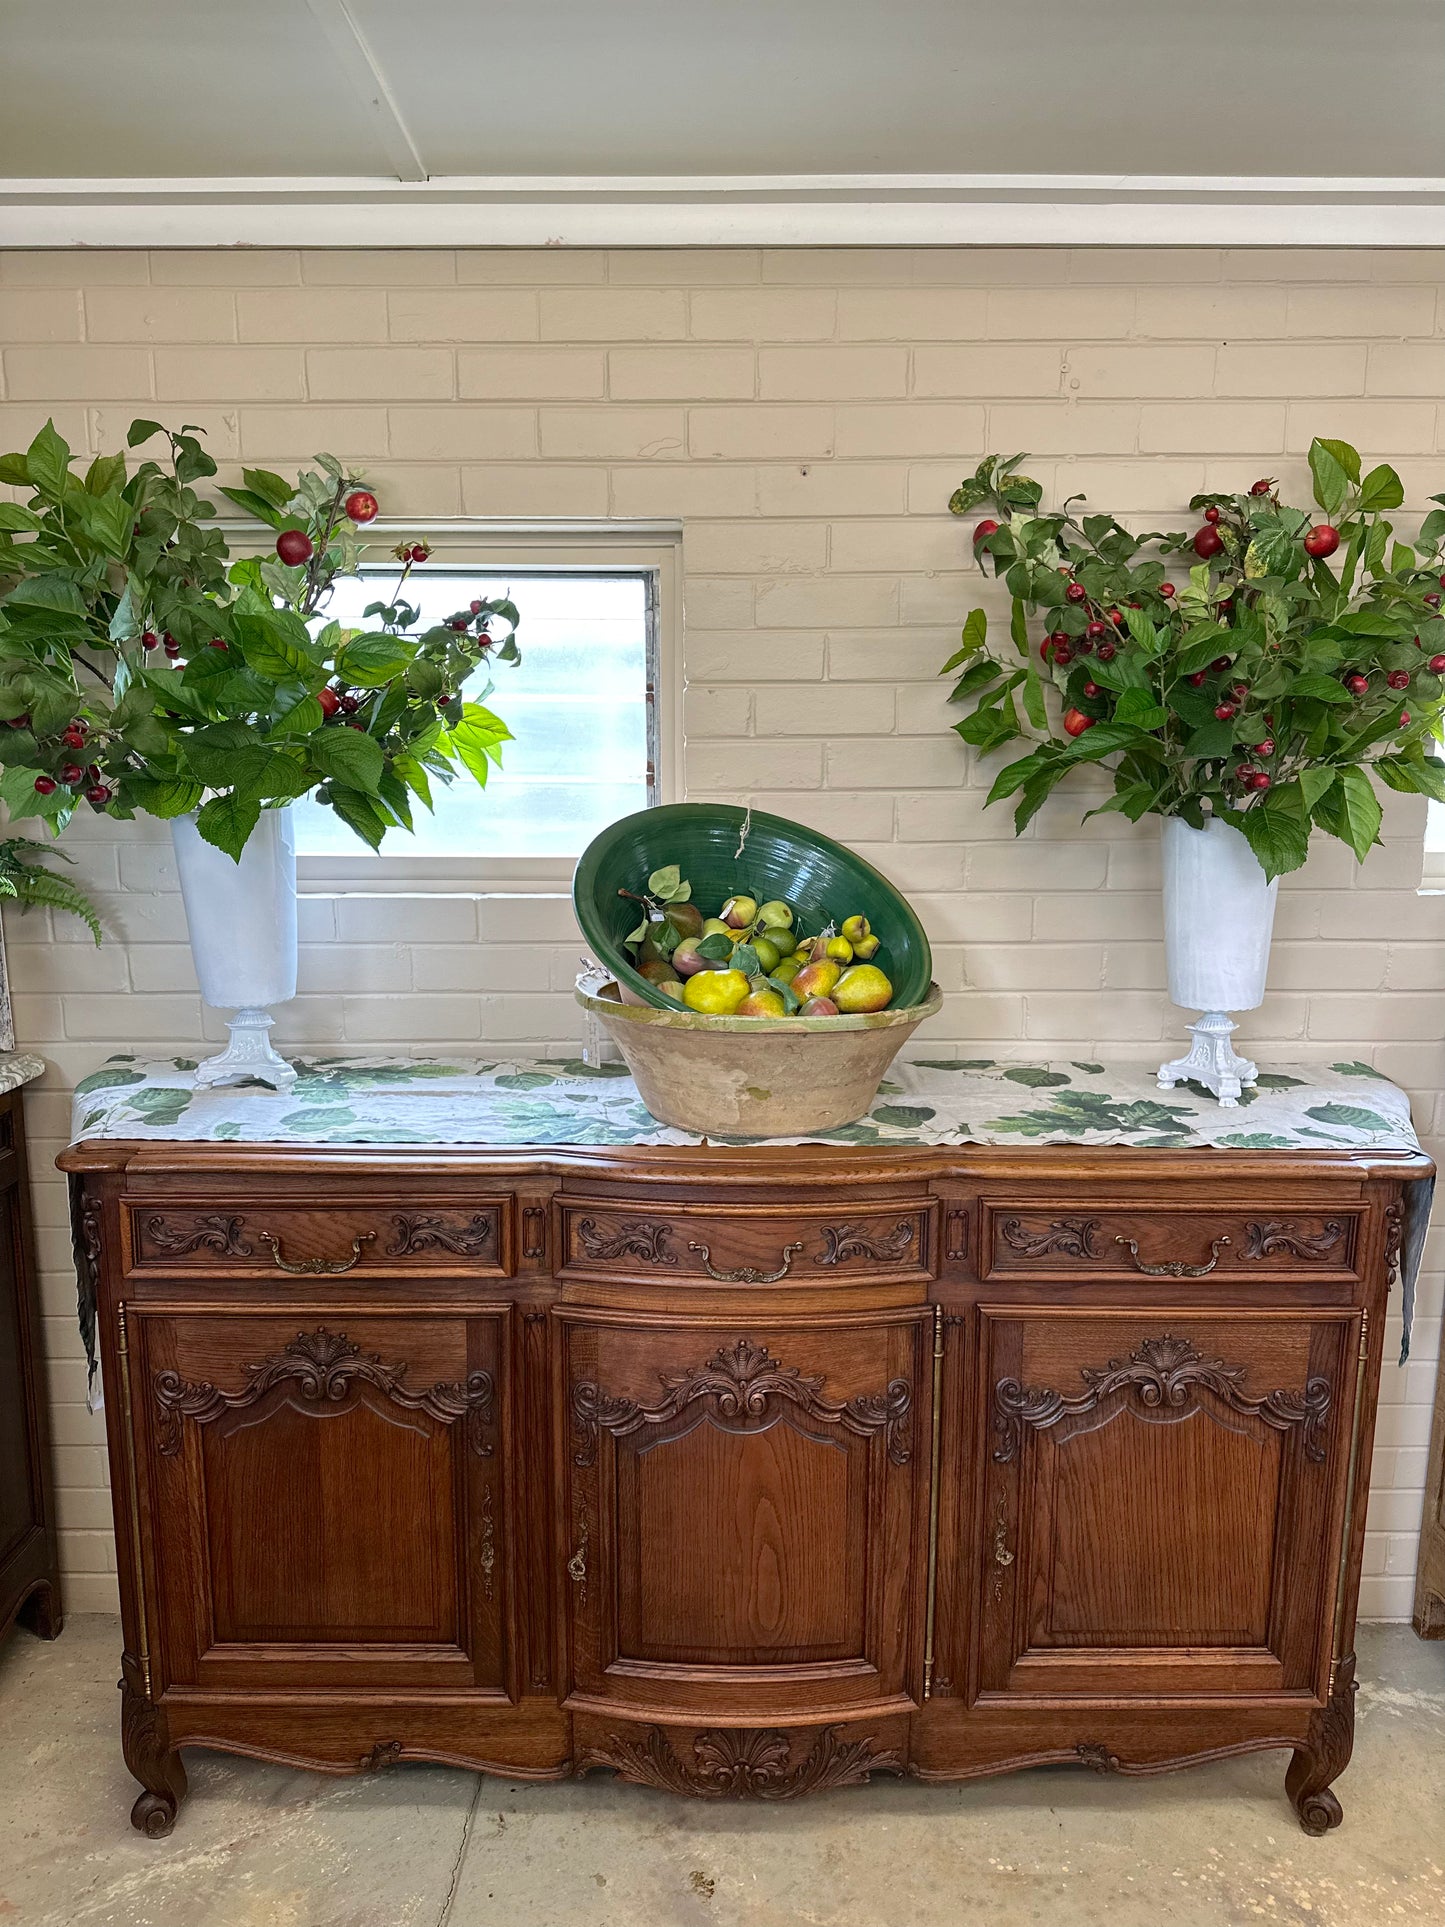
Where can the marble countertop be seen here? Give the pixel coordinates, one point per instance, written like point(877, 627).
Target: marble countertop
point(19, 1067)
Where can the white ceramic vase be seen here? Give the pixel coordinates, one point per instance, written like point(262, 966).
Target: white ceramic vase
point(1218, 920)
point(242, 922)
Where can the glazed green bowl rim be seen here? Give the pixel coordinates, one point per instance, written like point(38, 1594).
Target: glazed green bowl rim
point(613, 958)
point(676, 1018)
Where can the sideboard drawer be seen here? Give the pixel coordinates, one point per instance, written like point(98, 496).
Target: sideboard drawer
point(1063, 1238)
point(749, 1244)
point(473, 1235)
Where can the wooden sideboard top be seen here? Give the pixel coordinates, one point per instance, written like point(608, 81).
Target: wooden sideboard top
point(754, 1163)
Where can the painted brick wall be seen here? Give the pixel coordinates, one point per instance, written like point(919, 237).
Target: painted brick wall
point(805, 414)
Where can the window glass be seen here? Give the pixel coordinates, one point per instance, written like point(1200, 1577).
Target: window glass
point(578, 705)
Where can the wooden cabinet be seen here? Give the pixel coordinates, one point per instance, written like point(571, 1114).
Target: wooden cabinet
point(740, 1471)
point(29, 1576)
point(1161, 1501)
point(742, 1508)
point(327, 1497)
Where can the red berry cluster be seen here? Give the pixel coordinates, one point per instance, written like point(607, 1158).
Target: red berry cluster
point(72, 774)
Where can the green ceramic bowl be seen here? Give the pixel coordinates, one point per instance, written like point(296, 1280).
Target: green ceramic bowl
point(818, 877)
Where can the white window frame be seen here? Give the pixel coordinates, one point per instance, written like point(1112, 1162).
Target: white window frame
point(516, 548)
point(1432, 875)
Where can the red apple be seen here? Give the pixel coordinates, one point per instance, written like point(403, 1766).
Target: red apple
point(362, 506)
point(1076, 722)
point(294, 546)
point(1208, 542)
point(1322, 540)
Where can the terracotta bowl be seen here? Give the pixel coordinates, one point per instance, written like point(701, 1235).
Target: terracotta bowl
point(753, 1076)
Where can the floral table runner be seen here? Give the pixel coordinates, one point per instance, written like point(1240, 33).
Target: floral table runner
point(501, 1103)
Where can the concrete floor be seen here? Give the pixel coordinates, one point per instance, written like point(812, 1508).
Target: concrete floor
point(265, 1846)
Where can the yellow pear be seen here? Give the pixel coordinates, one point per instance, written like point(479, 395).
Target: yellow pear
point(862, 988)
point(715, 993)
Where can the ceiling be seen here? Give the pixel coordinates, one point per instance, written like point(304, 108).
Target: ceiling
point(194, 90)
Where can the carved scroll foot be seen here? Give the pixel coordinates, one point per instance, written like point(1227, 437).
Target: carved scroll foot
point(41, 1611)
point(153, 1761)
point(1325, 1756)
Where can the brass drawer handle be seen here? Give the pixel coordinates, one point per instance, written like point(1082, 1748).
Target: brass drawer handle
point(315, 1267)
point(745, 1274)
point(1176, 1268)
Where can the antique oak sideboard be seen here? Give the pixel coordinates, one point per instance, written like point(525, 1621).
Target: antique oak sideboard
point(739, 1470)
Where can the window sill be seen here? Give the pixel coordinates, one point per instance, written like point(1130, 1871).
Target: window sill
point(361, 876)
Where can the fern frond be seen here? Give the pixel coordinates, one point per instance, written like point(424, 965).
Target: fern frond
point(15, 849)
point(39, 886)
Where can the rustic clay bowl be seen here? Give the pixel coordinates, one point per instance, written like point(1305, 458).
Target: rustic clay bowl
point(753, 1076)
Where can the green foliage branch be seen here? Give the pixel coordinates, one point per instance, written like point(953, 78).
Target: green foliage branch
point(1265, 683)
point(144, 669)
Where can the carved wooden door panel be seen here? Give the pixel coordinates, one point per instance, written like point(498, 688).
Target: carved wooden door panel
point(743, 1504)
point(327, 1496)
point(1163, 1499)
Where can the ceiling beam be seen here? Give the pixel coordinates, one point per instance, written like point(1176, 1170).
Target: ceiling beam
point(728, 211)
point(367, 81)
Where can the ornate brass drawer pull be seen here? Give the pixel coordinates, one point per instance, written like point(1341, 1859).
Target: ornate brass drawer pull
point(315, 1267)
point(746, 1274)
point(1176, 1267)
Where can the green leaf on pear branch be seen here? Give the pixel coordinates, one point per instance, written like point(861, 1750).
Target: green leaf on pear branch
point(254, 505)
point(1332, 476)
point(975, 634)
point(1381, 489)
point(48, 462)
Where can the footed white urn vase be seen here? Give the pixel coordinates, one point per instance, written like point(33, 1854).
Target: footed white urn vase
point(1218, 920)
point(242, 920)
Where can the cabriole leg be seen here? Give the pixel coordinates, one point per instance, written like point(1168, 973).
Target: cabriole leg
point(1324, 1757)
point(152, 1760)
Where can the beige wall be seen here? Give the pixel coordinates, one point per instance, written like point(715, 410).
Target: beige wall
point(804, 414)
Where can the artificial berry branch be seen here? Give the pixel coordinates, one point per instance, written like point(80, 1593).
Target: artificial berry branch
point(1268, 690)
point(144, 669)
